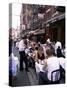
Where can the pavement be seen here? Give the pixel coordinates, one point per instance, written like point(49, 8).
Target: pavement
point(24, 78)
point(21, 80)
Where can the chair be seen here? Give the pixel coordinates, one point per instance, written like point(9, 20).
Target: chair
point(62, 75)
point(55, 80)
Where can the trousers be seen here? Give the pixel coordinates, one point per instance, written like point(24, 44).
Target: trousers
point(23, 58)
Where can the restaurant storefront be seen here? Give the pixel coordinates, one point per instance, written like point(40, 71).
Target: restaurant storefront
point(56, 29)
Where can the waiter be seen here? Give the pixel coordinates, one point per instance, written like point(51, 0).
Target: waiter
point(22, 55)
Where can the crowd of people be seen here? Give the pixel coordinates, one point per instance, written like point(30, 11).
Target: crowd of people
point(44, 58)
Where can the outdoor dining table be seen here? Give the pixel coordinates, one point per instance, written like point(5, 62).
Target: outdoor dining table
point(39, 66)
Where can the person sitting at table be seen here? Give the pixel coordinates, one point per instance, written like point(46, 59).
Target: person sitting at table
point(51, 64)
point(41, 55)
point(35, 54)
point(58, 43)
point(59, 52)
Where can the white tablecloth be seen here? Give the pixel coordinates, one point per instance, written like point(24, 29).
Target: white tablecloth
point(39, 66)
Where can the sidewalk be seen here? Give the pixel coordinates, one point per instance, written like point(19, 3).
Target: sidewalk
point(24, 78)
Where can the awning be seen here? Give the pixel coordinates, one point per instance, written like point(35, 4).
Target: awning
point(42, 31)
point(55, 19)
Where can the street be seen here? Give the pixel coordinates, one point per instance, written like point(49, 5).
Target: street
point(24, 78)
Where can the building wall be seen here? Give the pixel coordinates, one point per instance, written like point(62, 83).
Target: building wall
point(40, 17)
point(55, 30)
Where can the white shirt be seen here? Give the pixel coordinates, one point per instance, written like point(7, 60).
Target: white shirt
point(39, 67)
point(56, 46)
point(17, 44)
point(48, 40)
point(62, 62)
point(27, 50)
point(21, 45)
point(44, 49)
point(52, 65)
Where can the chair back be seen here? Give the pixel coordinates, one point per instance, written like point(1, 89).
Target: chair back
point(55, 75)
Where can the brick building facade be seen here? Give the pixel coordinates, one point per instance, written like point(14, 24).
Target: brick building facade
point(50, 20)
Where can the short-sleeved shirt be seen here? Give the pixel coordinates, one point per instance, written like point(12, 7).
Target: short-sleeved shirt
point(52, 65)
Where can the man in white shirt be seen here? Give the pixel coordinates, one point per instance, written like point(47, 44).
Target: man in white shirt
point(56, 46)
point(51, 64)
point(22, 55)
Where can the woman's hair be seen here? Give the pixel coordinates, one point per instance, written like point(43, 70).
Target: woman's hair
point(49, 52)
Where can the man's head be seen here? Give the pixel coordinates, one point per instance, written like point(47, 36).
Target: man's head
point(49, 52)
